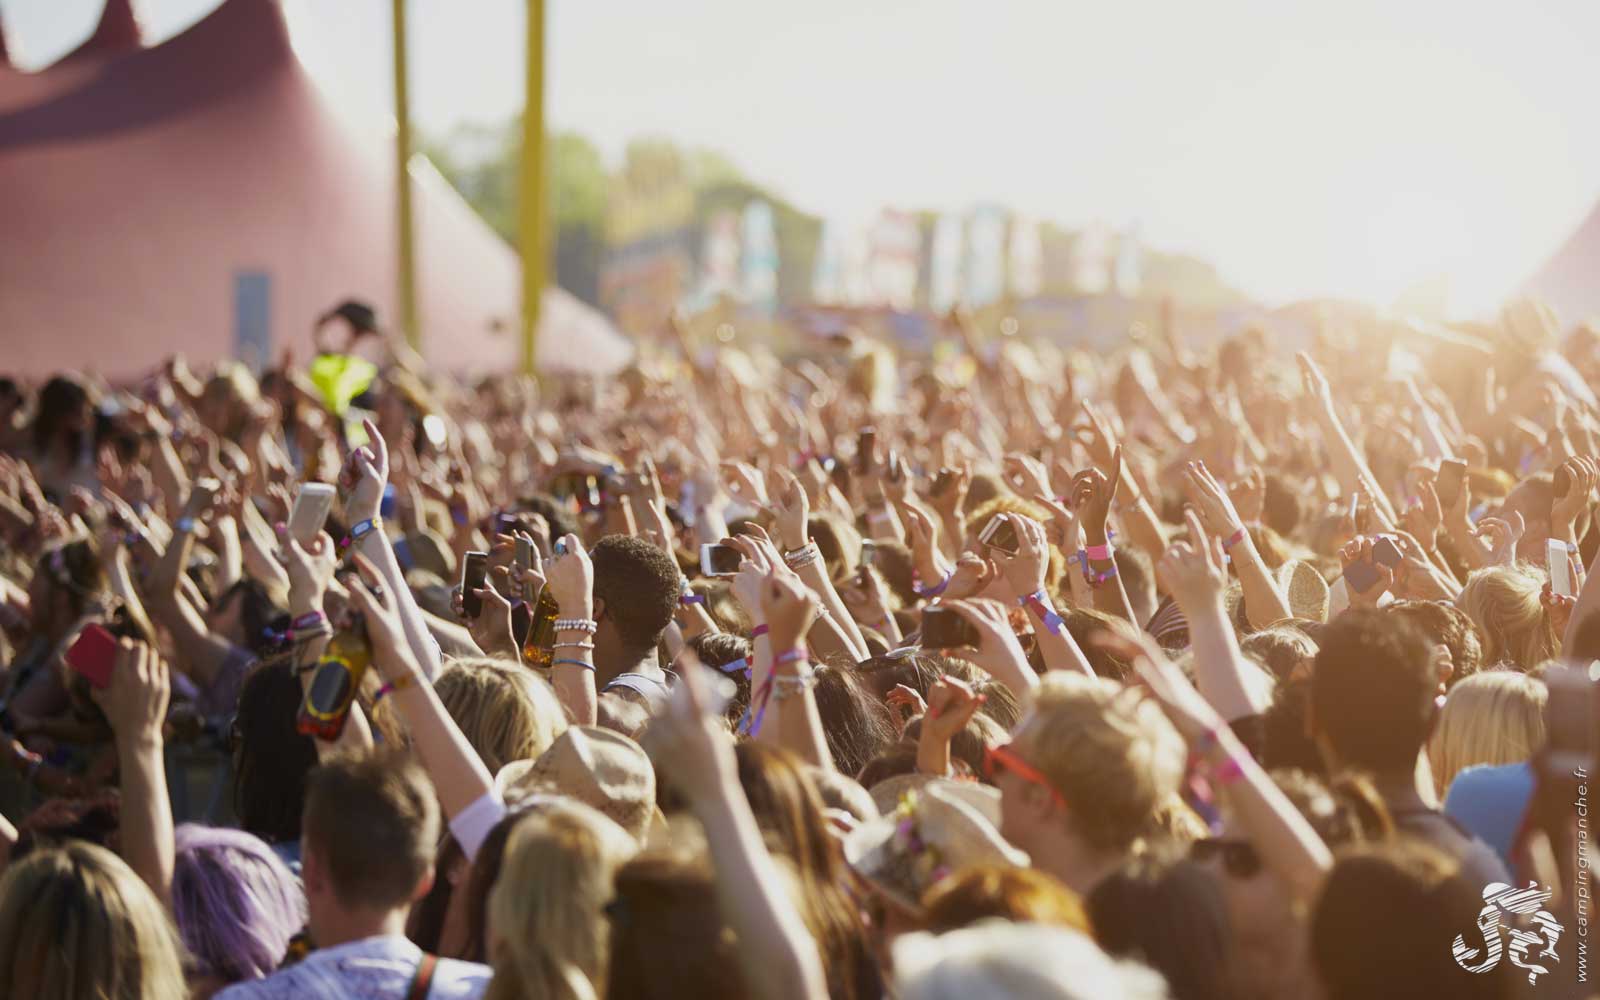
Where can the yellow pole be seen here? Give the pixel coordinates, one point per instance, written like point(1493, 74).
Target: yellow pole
point(531, 208)
point(402, 157)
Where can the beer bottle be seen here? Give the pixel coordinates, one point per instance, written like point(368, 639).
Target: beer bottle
point(538, 649)
point(334, 684)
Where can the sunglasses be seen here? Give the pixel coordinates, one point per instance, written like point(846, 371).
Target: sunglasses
point(1002, 758)
point(1239, 857)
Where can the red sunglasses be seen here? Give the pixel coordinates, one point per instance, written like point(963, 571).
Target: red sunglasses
point(1003, 758)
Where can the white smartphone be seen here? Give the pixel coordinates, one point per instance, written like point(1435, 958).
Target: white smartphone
point(1560, 570)
point(719, 560)
point(311, 507)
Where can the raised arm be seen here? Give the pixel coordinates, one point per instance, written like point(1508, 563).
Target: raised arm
point(1286, 841)
point(777, 955)
point(135, 704)
point(1264, 603)
point(458, 774)
point(1349, 467)
point(1193, 573)
point(1024, 574)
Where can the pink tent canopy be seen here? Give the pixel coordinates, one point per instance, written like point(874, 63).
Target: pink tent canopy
point(1570, 279)
point(147, 196)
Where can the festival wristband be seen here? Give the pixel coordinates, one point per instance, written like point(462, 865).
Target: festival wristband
point(933, 591)
point(1234, 539)
point(1099, 553)
point(390, 687)
point(795, 655)
point(1038, 602)
point(759, 631)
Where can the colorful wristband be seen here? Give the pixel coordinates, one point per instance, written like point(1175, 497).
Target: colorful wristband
point(795, 655)
point(932, 591)
point(1234, 539)
point(390, 687)
point(759, 631)
point(1099, 553)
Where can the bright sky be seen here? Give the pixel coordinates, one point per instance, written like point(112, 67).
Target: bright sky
point(1350, 148)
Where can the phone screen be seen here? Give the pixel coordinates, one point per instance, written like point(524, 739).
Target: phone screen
point(719, 560)
point(1385, 551)
point(310, 512)
point(1361, 576)
point(473, 573)
point(1000, 534)
point(1452, 474)
point(1560, 570)
point(943, 628)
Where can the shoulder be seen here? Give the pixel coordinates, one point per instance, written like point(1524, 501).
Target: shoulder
point(458, 980)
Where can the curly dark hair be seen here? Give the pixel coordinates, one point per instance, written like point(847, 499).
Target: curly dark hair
point(640, 585)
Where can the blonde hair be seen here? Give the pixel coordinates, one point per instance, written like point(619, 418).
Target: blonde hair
point(1110, 753)
point(548, 930)
point(75, 921)
point(1494, 717)
point(1503, 601)
point(505, 710)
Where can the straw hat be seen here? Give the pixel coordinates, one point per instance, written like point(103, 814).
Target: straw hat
point(934, 831)
point(886, 794)
point(1305, 588)
point(596, 766)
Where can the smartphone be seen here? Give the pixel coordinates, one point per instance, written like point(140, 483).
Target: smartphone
point(1452, 475)
point(525, 560)
point(504, 524)
point(1361, 576)
point(1560, 570)
point(473, 573)
point(1385, 551)
point(719, 560)
point(941, 482)
point(1000, 534)
point(310, 512)
point(943, 628)
point(1569, 720)
point(869, 551)
point(93, 655)
point(866, 448)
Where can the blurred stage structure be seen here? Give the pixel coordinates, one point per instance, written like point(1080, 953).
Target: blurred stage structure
point(1570, 279)
point(200, 196)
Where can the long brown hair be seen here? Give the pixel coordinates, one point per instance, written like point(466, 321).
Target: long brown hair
point(789, 811)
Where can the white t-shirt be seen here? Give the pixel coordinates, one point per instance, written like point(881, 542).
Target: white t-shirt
point(375, 968)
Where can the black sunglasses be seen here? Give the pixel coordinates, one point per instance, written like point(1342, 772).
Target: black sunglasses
point(1239, 857)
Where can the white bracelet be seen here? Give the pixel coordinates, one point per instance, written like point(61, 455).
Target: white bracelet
point(577, 625)
point(802, 557)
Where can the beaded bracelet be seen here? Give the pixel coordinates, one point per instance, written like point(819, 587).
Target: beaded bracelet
point(588, 625)
point(572, 645)
point(801, 558)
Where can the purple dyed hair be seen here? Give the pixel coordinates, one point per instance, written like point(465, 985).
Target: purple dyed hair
point(236, 903)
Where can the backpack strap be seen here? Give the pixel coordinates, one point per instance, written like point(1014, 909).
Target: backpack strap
point(422, 982)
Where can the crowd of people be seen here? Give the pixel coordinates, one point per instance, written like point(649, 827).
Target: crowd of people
point(1192, 671)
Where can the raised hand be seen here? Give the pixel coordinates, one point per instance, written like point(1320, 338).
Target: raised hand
point(1064, 531)
point(1314, 382)
point(998, 650)
point(790, 511)
point(1093, 492)
point(386, 633)
point(308, 572)
point(1025, 572)
point(135, 702)
point(951, 705)
point(1359, 550)
point(1027, 475)
point(1211, 500)
point(1502, 535)
point(1193, 571)
point(570, 576)
point(1579, 476)
point(364, 474)
point(789, 607)
point(1249, 493)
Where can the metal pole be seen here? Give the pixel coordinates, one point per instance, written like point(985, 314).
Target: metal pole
point(402, 155)
point(531, 209)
